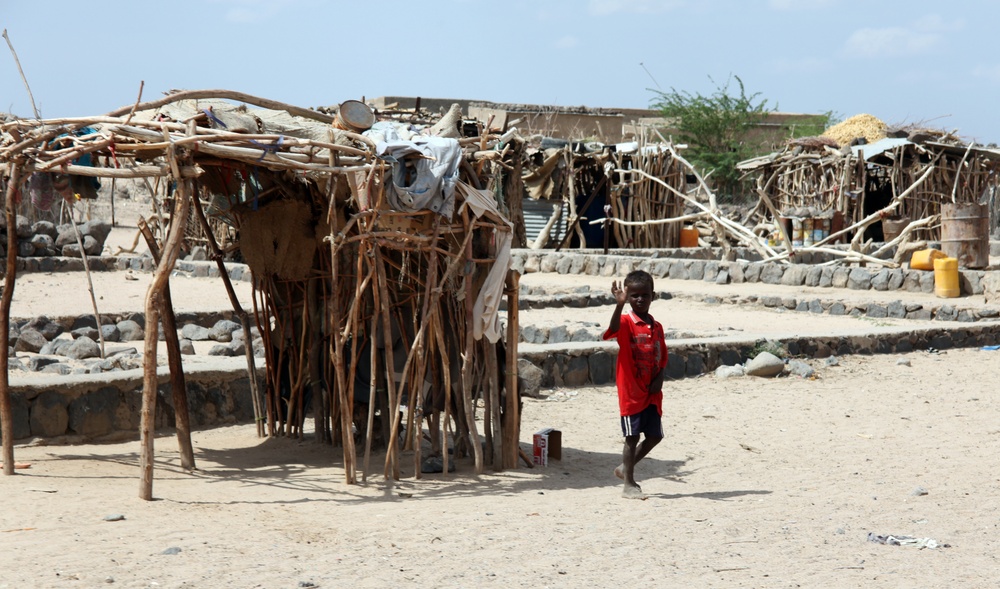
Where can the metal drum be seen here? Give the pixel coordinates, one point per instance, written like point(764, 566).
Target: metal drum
point(965, 233)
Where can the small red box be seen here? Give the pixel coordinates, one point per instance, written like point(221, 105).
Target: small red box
point(547, 444)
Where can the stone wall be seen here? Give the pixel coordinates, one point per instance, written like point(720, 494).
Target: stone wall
point(93, 407)
point(701, 264)
point(574, 365)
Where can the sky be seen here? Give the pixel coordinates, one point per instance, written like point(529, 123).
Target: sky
point(906, 62)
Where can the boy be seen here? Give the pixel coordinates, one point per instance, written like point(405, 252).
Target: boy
point(642, 357)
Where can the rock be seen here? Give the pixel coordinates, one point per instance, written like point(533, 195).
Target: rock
point(115, 517)
point(765, 364)
point(577, 372)
point(859, 279)
point(56, 347)
point(48, 328)
point(919, 492)
point(58, 368)
point(795, 275)
point(111, 333)
point(840, 277)
point(223, 330)
point(85, 332)
point(47, 228)
point(171, 551)
point(49, 415)
point(23, 227)
point(729, 371)
point(237, 347)
point(93, 414)
point(187, 348)
point(25, 249)
point(41, 242)
point(530, 377)
point(558, 334)
point(99, 230)
point(195, 332)
point(130, 331)
point(83, 347)
point(199, 253)
point(903, 362)
point(602, 368)
point(897, 309)
point(220, 350)
point(37, 363)
point(800, 368)
point(30, 341)
point(880, 281)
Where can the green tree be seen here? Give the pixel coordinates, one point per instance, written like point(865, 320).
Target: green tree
point(719, 129)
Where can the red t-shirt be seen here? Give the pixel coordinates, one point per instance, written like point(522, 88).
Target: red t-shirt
point(642, 354)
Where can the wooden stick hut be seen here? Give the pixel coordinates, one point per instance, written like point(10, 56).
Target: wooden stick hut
point(879, 188)
point(380, 262)
point(605, 183)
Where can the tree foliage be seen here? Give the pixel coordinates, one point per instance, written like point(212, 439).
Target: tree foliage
point(724, 128)
point(719, 129)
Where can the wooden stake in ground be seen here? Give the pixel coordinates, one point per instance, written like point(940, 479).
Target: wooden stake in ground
point(6, 419)
point(154, 297)
point(178, 388)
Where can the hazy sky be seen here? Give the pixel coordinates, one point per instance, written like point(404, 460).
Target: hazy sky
point(903, 61)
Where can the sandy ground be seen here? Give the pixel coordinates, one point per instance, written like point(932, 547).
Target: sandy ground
point(759, 483)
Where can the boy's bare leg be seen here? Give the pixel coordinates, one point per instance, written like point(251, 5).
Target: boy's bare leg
point(629, 453)
point(647, 444)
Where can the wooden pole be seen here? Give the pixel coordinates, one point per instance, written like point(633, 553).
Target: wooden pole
point(512, 417)
point(171, 251)
point(178, 387)
point(6, 418)
point(470, 410)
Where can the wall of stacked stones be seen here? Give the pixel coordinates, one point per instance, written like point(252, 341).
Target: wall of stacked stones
point(703, 264)
point(92, 407)
point(594, 364)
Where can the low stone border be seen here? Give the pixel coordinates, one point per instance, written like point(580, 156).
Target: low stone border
point(95, 406)
point(573, 365)
point(535, 298)
point(740, 271)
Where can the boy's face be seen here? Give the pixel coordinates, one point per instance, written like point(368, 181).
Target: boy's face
point(639, 297)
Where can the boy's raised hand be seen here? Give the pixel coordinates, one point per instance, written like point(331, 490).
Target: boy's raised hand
point(619, 293)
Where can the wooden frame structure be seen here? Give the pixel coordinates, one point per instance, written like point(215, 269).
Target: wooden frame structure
point(341, 280)
point(893, 180)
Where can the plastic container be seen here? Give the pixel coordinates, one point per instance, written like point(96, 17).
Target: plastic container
point(924, 259)
point(946, 278)
point(807, 232)
point(689, 237)
point(797, 232)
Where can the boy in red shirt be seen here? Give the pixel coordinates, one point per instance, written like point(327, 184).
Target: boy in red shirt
point(642, 357)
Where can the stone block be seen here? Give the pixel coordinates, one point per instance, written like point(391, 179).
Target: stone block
point(602, 367)
point(859, 279)
point(813, 276)
point(840, 277)
point(49, 415)
point(93, 414)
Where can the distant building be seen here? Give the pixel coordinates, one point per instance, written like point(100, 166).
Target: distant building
point(607, 125)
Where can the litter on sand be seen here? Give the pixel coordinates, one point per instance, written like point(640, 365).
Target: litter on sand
point(894, 540)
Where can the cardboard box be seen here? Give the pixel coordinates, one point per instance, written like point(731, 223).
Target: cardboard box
point(547, 444)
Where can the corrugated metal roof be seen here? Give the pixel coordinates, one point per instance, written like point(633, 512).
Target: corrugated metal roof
point(879, 147)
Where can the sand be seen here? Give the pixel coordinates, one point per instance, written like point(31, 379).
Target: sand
point(759, 483)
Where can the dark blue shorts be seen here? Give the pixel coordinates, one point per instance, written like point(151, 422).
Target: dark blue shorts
point(645, 422)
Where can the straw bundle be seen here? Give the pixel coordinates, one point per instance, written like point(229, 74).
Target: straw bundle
point(862, 125)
